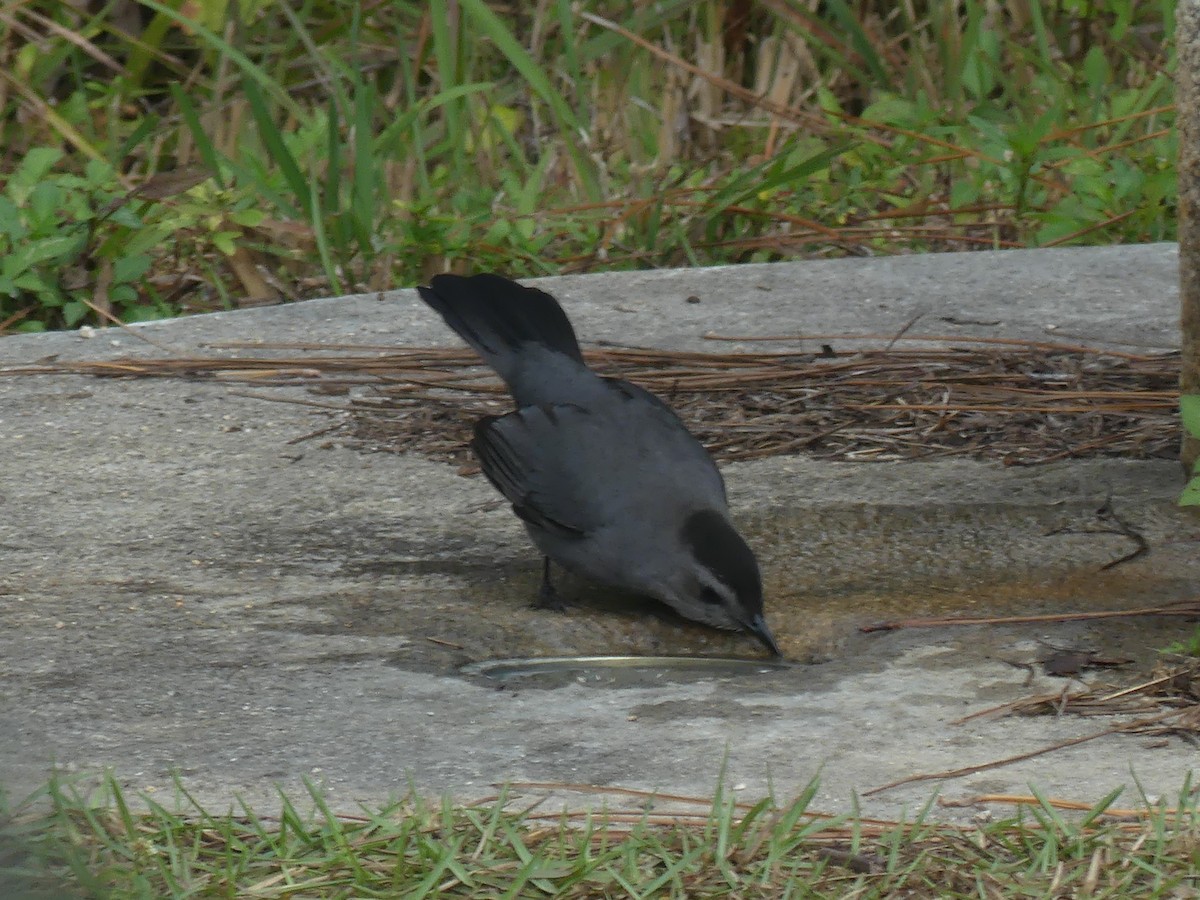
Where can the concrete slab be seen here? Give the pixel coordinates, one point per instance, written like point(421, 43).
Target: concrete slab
point(185, 591)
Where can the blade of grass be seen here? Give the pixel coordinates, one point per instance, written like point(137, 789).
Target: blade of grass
point(569, 126)
point(1100, 807)
point(850, 26)
point(367, 185)
point(334, 161)
point(447, 55)
point(324, 250)
point(251, 70)
point(773, 174)
point(200, 137)
point(273, 141)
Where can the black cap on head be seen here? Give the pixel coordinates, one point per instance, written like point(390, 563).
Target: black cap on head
point(719, 548)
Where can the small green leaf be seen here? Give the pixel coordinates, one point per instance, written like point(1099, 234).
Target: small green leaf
point(44, 202)
point(100, 173)
point(247, 217)
point(1096, 71)
point(131, 268)
point(497, 232)
point(33, 283)
point(122, 294)
point(1189, 410)
point(1191, 493)
point(33, 169)
point(73, 312)
point(828, 100)
point(142, 240)
point(31, 254)
point(891, 110)
point(124, 215)
point(224, 241)
point(144, 313)
point(10, 220)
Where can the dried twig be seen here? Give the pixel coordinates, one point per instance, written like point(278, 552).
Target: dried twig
point(1170, 698)
point(1140, 724)
point(1020, 402)
point(1181, 608)
point(1110, 813)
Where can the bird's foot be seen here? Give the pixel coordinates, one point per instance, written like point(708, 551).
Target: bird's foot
point(548, 597)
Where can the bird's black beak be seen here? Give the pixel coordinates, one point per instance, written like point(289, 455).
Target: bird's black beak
point(758, 627)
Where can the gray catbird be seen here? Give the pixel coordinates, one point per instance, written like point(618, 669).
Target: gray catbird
point(609, 483)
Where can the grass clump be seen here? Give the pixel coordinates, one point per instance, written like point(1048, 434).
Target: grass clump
point(162, 158)
point(106, 846)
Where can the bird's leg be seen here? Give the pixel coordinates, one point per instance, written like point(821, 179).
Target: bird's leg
point(548, 597)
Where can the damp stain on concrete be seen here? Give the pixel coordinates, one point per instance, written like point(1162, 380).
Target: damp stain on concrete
point(451, 602)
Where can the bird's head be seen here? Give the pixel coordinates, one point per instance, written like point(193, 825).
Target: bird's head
point(723, 587)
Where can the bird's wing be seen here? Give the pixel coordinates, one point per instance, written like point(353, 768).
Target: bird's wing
point(663, 434)
point(527, 456)
point(574, 469)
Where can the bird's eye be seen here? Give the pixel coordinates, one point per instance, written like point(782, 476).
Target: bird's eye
point(708, 595)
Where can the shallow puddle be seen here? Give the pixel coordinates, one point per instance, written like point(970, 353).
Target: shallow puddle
point(620, 671)
point(825, 577)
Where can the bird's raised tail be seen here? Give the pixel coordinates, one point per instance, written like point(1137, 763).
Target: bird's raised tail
point(501, 319)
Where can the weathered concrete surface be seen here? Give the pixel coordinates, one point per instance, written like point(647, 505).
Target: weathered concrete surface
point(184, 591)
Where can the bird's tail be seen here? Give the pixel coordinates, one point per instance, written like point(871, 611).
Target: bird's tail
point(501, 319)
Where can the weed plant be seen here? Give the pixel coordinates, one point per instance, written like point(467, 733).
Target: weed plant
point(160, 158)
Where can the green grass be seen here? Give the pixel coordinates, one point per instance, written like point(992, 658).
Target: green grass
point(67, 843)
point(162, 158)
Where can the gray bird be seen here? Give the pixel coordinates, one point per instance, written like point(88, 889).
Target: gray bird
point(608, 481)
